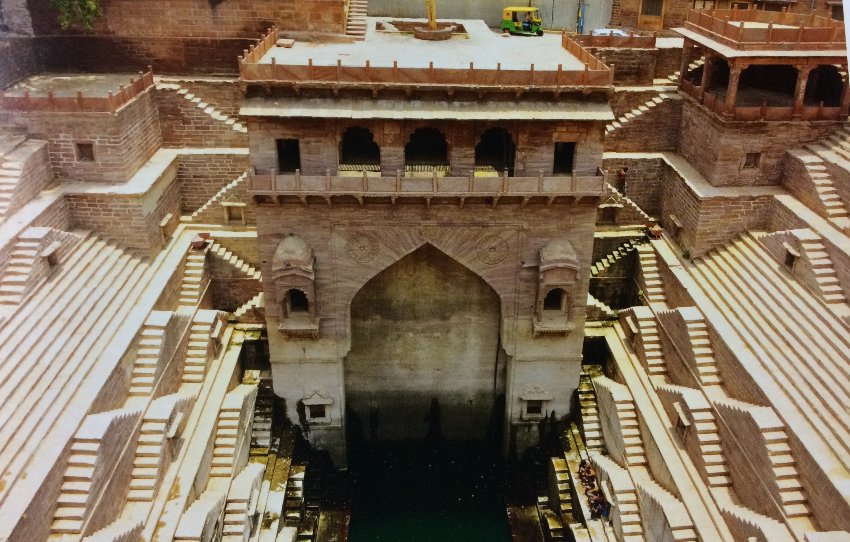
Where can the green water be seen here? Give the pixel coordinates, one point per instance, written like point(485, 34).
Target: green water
point(411, 494)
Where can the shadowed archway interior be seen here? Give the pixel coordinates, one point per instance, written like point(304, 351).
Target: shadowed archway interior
point(425, 351)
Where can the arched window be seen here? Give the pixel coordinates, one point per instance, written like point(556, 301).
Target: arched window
point(426, 147)
point(824, 85)
point(297, 301)
point(554, 300)
point(496, 149)
point(358, 147)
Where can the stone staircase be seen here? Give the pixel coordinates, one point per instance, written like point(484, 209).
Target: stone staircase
point(219, 196)
point(78, 314)
point(711, 457)
point(160, 423)
point(676, 75)
point(195, 277)
point(199, 349)
point(597, 310)
point(121, 530)
point(230, 433)
point(640, 216)
point(258, 302)
point(626, 513)
point(147, 366)
point(89, 464)
point(822, 267)
point(200, 520)
point(590, 429)
point(235, 261)
point(241, 504)
point(261, 430)
point(824, 198)
point(649, 278)
point(649, 350)
point(207, 109)
point(703, 355)
point(747, 524)
point(355, 26)
point(601, 267)
point(799, 342)
point(626, 413)
point(769, 451)
point(28, 265)
point(10, 171)
point(293, 508)
point(636, 113)
point(678, 524)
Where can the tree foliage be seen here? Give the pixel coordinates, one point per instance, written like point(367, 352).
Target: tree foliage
point(83, 12)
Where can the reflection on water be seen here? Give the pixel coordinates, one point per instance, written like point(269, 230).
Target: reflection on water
point(413, 493)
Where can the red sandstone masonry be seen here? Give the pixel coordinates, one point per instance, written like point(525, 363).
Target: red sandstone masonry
point(201, 176)
point(654, 130)
point(186, 125)
point(721, 162)
point(198, 18)
point(122, 142)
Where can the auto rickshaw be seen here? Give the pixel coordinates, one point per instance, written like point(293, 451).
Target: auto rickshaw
point(522, 21)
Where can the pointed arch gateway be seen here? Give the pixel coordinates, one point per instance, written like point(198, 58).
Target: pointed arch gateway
point(425, 331)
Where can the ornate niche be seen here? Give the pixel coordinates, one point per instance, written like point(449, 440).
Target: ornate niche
point(294, 277)
point(556, 282)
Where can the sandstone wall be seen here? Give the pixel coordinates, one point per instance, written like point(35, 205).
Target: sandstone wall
point(184, 124)
point(717, 148)
point(18, 56)
point(202, 175)
point(122, 142)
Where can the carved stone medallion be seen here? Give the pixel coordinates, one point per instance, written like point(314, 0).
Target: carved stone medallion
point(361, 247)
point(492, 249)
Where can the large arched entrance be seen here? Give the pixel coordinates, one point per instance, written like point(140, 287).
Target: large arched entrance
point(423, 380)
point(425, 352)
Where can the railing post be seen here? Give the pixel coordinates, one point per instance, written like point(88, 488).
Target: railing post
point(434, 181)
point(540, 181)
point(298, 180)
point(471, 183)
point(365, 181)
point(573, 181)
point(505, 181)
point(339, 69)
point(397, 180)
point(310, 69)
point(327, 179)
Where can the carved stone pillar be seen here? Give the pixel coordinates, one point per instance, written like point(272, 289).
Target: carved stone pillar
point(683, 66)
point(800, 90)
point(706, 75)
point(732, 92)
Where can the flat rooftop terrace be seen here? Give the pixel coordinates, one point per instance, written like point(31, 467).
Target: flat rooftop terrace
point(480, 45)
point(479, 58)
point(75, 92)
point(69, 84)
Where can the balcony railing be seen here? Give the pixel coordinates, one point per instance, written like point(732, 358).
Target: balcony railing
point(366, 186)
point(594, 74)
point(776, 31)
point(765, 112)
